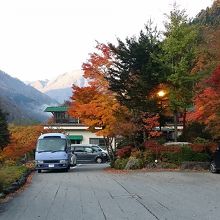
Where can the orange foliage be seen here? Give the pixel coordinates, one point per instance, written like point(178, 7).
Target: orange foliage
point(96, 109)
point(95, 105)
point(96, 66)
point(23, 140)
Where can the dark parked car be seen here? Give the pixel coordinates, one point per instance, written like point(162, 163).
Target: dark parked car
point(215, 163)
point(87, 153)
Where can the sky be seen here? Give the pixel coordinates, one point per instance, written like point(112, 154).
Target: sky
point(41, 39)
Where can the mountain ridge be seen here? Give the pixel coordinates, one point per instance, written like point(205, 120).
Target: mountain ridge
point(60, 88)
point(23, 103)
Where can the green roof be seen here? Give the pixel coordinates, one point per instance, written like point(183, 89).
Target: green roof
point(76, 137)
point(56, 109)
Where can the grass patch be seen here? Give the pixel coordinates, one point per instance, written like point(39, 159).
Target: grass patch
point(9, 174)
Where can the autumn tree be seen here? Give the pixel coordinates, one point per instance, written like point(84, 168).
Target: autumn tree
point(4, 132)
point(23, 141)
point(179, 48)
point(96, 105)
point(207, 103)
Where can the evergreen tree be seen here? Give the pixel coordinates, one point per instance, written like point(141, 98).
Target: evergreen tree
point(135, 73)
point(4, 132)
point(136, 70)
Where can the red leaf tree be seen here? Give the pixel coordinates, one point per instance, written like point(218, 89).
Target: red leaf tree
point(207, 103)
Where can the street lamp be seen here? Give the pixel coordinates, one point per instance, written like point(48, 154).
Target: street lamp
point(161, 94)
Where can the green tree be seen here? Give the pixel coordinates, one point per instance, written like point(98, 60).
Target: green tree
point(136, 71)
point(179, 48)
point(4, 132)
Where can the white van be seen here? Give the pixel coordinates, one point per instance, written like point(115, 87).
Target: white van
point(53, 151)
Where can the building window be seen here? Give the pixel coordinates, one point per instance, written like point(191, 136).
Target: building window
point(97, 141)
point(75, 142)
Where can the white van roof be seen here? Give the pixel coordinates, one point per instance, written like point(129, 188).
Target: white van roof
point(84, 145)
point(53, 135)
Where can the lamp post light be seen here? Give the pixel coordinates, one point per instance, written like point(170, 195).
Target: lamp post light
point(161, 94)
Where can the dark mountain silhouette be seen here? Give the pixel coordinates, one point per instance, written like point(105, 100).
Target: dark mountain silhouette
point(23, 103)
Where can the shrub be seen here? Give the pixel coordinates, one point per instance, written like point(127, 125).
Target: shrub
point(198, 147)
point(158, 148)
point(148, 157)
point(134, 163)
point(186, 154)
point(120, 163)
point(171, 157)
point(201, 157)
point(211, 147)
point(169, 165)
point(124, 152)
point(136, 153)
point(151, 144)
point(9, 163)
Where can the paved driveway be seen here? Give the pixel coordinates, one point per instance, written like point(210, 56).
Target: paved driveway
point(88, 192)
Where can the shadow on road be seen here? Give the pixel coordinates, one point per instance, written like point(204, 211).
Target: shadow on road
point(89, 167)
point(81, 168)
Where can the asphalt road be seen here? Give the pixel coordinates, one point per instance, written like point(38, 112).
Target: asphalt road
point(89, 192)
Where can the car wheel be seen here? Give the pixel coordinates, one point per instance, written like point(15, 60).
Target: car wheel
point(39, 171)
point(99, 160)
point(212, 167)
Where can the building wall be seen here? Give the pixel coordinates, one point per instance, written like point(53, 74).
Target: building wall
point(86, 135)
point(76, 130)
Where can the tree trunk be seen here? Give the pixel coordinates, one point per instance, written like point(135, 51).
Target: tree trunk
point(175, 125)
point(111, 151)
point(184, 120)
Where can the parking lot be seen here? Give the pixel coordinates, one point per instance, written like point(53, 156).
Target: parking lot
point(90, 192)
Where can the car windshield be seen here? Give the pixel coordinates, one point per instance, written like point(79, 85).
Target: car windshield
point(51, 144)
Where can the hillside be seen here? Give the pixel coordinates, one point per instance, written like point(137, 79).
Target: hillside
point(23, 103)
point(209, 22)
point(60, 88)
point(210, 16)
